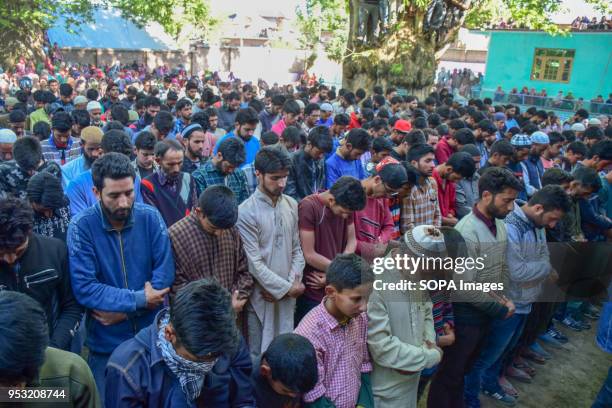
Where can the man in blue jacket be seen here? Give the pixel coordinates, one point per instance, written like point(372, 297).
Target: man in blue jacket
point(192, 355)
point(80, 190)
point(121, 263)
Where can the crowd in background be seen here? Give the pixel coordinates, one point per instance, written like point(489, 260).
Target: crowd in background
point(211, 242)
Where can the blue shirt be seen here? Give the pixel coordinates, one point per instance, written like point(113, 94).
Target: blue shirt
point(72, 170)
point(109, 268)
point(252, 147)
point(329, 122)
point(81, 195)
point(336, 167)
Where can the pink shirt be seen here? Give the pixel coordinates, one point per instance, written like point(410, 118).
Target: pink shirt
point(342, 355)
point(279, 127)
point(373, 224)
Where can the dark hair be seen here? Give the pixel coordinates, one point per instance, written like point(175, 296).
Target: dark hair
point(602, 149)
point(27, 152)
point(171, 96)
point(583, 113)
point(145, 140)
point(24, 336)
point(396, 99)
point(17, 116)
point(502, 148)
point(592, 132)
point(115, 166)
point(219, 205)
point(587, 177)
point(92, 94)
point(232, 149)
point(183, 103)
point(65, 90)
point(41, 130)
point(151, 101)
point(464, 136)
point(46, 189)
point(201, 313)
point(120, 113)
point(412, 173)
point(278, 100)
point(419, 123)
point(113, 125)
point(163, 121)
point(349, 193)
point(320, 137)
point(418, 151)
point(257, 105)
point(496, 179)
point(415, 137)
point(555, 176)
point(456, 124)
point(247, 116)
point(577, 147)
point(347, 271)
point(116, 141)
point(359, 138)
point(292, 134)
point(271, 159)
point(162, 147)
point(269, 138)
point(232, 96)
point(555, 137)
point(342, 119)
point(61, 121)
point(462, 163)
point(191, 85)
point(394, 175)
point(202, 119)
point(530, 128)
point(293, 362)
point(16, 221)
point(81, 117)
point(381, 144)
point(551, 198)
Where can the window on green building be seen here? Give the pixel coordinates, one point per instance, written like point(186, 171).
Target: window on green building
point(552, 64)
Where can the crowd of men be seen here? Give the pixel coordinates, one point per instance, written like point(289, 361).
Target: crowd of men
point(212, 248)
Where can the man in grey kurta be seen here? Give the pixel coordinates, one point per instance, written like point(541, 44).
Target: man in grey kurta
point(268, 224)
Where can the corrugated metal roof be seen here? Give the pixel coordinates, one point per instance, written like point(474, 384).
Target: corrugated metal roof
point(110, 30)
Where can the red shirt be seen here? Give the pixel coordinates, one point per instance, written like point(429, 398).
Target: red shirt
point(446, 195)
point(443, 150)
point(373, 224)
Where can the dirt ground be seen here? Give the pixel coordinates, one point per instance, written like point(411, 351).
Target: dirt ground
point(571, 379)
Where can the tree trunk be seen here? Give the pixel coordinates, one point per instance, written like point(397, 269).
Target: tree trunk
point(406, 56)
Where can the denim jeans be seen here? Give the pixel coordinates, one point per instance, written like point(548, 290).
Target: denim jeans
point(604, 397)
point(97, 364)
point(503, 335)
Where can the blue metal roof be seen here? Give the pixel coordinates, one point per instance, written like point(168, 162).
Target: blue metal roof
point(110, 30)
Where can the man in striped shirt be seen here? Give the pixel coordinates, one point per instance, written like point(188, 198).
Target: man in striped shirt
point(61, 147)
point(421, 207)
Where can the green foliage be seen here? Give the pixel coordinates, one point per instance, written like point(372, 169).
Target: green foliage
point(324, 22)
point(22, 22)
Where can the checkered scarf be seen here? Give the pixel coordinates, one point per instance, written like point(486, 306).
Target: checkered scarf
point(190, 373)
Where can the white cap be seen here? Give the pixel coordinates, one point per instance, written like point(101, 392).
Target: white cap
point(80, 99)
point(578, 127)
point(93, 105)
point(594, 122)
point(7, 136)
point(425, 240)
point(300, 103)
point(326, 107)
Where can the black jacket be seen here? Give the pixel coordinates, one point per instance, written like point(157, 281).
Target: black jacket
point(42, 273)
point(304, 173)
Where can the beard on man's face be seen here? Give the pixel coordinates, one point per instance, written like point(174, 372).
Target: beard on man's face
point(120, 214)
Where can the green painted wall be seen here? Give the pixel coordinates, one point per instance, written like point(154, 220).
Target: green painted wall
point(510, 58)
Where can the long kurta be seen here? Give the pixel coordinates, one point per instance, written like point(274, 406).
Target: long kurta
point(399, 323)
point(271, 241)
